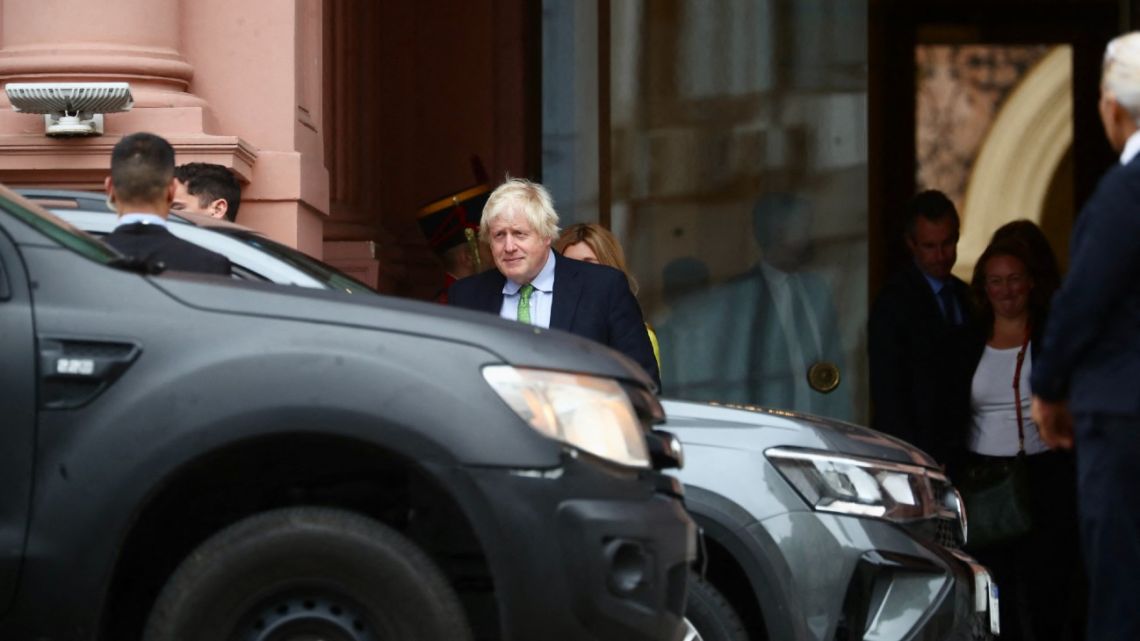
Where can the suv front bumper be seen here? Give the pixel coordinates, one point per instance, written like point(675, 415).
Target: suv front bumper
point(864, 577)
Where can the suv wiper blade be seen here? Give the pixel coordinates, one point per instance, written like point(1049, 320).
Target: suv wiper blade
point(138, 265)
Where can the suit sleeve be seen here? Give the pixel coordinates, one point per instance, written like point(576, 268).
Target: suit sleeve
point(462, 293)
point(1104, 263)
point(889, 371)
point(627, 331)
point(456, 295)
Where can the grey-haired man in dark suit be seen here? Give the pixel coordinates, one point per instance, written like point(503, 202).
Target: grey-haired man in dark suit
point(918, 335)
point(533, 284)
point(1088, 374)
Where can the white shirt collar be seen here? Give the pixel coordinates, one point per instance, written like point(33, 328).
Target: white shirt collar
point(544, 282)
point(145, 219)
point(1131, 148)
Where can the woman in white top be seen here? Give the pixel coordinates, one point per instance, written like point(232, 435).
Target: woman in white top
point(1037, 574)
point(1007, 285)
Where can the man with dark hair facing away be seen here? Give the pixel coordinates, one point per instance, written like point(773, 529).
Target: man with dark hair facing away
point(141, 188)
point(918, 335)
point(207, 189)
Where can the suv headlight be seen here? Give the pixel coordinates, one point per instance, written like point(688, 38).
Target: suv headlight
point(590, 413)
point(863, 487)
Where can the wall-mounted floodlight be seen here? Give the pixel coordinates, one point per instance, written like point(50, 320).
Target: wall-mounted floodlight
point(70, 108)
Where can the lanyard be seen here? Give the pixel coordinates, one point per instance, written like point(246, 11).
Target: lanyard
point(1017, 391)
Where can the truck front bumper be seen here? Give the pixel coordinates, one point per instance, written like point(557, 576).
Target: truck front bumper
point(587, 551)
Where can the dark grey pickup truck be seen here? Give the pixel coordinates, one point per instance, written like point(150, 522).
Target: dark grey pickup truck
point(193, 459)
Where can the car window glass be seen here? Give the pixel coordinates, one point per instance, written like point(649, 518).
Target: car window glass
point(326, 274)
point(243, 273)
point(63, 233)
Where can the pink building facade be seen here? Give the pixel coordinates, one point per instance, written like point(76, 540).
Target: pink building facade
point(340, 118)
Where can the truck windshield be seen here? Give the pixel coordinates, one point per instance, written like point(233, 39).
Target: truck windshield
point(60, 231)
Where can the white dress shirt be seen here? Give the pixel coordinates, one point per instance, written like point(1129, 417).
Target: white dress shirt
point(994, 429)
point(541, 299)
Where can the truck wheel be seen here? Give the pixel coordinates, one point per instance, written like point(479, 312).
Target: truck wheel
point(306, 573)
point(710, 613)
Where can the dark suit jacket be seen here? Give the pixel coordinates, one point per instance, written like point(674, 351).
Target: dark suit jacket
point(921, 366)
point(1091, 348)
point(154, 243)
point(593, 301)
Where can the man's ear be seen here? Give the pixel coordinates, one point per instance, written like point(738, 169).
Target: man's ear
point(1124, 118)
point(110, 189)
point(170, 190)
point(1113, 118)
point(218, 208)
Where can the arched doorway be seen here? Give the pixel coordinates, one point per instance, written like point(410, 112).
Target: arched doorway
point(1022, 160)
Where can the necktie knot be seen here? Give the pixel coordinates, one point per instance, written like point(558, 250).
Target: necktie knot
point(524, 303)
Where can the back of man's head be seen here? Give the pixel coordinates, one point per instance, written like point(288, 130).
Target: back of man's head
point(932, 205)
point(209, 182)
point(142, 166)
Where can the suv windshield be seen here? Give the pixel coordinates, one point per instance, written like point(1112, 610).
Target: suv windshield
point(326, 274)
point(58, 230)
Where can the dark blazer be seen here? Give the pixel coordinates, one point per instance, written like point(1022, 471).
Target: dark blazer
point(592, 301)
point(1091, 348)
point(921, 366)
point(155, 243)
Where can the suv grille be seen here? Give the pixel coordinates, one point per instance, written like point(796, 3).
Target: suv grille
point(941, 530)
point(947, 534)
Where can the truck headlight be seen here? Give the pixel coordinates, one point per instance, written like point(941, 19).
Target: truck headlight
point(590, 413)
point(864, 487)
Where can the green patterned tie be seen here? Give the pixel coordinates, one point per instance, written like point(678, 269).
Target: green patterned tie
point(524, 303)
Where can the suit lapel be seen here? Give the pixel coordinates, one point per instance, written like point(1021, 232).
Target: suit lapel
point(567, 291)
point(491, 297)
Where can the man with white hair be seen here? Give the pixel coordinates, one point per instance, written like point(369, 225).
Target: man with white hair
point(1086, 381)
point(532, 284)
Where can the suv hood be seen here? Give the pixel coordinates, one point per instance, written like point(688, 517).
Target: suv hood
point(758, 428)
point(516, 344)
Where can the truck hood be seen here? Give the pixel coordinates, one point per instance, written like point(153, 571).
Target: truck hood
point(757, 428)
point(513, 343)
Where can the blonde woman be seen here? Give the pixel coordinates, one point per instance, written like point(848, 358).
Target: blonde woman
point(592, 243)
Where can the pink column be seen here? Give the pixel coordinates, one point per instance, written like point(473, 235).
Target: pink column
point(233, 82)
point(135, 41)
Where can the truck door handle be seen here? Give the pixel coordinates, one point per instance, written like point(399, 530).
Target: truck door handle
point(73, 371)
